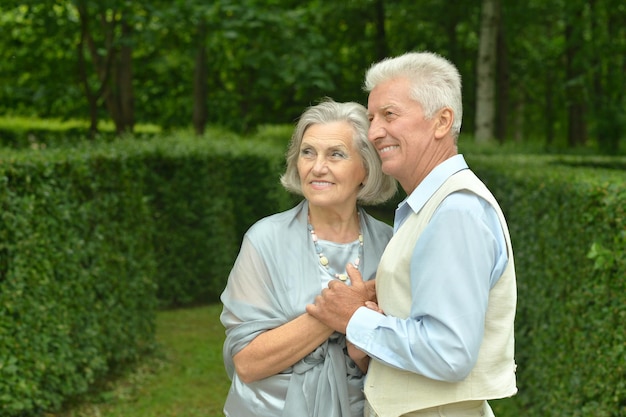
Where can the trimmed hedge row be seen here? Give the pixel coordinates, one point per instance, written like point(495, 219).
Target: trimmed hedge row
point(568, 228)
point(18, 132)
point(94, 239)
point(203, 195)
point(76, 276)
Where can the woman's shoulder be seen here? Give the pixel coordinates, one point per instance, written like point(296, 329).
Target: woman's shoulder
point(375, 225)
point(274, 223)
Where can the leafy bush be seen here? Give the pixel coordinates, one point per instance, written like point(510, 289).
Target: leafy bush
point(76, 275)
point(93, 239)
point(569, 235)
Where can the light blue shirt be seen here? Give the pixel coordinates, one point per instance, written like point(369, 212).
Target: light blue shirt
point(456, 261)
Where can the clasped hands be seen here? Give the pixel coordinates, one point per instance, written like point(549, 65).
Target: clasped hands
point(337, 303)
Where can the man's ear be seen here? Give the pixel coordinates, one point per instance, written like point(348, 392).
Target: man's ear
point(445, 118)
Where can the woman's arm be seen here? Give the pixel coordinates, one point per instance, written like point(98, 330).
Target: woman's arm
point(275, 350)
point(359, 357)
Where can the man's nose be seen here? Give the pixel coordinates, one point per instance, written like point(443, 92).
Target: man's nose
point(375, 131)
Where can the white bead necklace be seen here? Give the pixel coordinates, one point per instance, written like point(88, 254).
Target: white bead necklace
point(324, 260)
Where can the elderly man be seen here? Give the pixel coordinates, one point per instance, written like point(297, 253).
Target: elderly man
point(441, 337)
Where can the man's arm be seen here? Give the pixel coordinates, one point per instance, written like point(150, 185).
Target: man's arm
point(450, 282)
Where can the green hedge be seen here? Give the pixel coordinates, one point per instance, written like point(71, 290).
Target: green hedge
point(76, 275)
point(94, 239)
point(568, 227)
point(204, 195)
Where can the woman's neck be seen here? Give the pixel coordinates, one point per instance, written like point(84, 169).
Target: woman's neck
point(335, 225)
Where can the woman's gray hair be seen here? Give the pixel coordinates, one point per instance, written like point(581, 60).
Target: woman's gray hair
point(435, 82)
point(378, 187)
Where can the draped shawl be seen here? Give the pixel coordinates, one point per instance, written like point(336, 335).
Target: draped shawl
point(275, 275)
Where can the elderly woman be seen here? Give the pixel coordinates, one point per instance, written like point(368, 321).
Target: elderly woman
point(282, 361)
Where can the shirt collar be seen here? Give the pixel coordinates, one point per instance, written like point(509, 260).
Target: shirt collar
point(435, 179)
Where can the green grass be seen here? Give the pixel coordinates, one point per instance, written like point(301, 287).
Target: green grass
point(186, 377)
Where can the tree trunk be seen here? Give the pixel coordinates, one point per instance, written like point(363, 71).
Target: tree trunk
point(485, 72)
point(608, 78)
point(200, 82)
point(502, 84)
point(102, 66)
point(381, 37)
point(114, 69)
point(550, 111)
point(125, 81)
point(520, 108)
point(450, 28)
point(92, 99)
point(118, 96)
point(574, 93)
point(615, 81)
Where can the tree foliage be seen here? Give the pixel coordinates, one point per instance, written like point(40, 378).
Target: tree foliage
point(240, 64)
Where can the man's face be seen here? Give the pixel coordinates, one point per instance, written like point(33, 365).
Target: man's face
point(400, 133)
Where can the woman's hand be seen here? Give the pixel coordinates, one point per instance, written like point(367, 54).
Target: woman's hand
point(373, 306)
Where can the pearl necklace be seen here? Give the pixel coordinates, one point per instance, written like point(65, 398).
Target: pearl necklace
point(324, 260)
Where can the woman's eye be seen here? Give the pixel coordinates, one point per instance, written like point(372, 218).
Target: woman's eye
point(306, 152)
point(338, 154)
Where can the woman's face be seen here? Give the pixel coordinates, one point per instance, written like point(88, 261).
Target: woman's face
point(330, 166)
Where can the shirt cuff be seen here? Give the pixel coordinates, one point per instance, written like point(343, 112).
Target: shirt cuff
point(360, 329)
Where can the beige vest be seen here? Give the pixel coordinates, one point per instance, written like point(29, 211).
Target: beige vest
point(393, 392)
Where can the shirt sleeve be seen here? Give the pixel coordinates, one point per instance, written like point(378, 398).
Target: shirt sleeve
point(457, 259)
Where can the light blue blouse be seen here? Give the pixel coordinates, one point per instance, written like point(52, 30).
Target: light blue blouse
point(456, 261)
point(276, 274)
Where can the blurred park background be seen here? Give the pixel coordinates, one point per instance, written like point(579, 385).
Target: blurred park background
point(552, 71)
point(140, 139)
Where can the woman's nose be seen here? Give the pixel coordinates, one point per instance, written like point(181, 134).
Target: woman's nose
point(320, 165)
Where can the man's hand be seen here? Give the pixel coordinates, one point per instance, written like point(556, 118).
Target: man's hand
point(337, 303)
point(371, 290)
